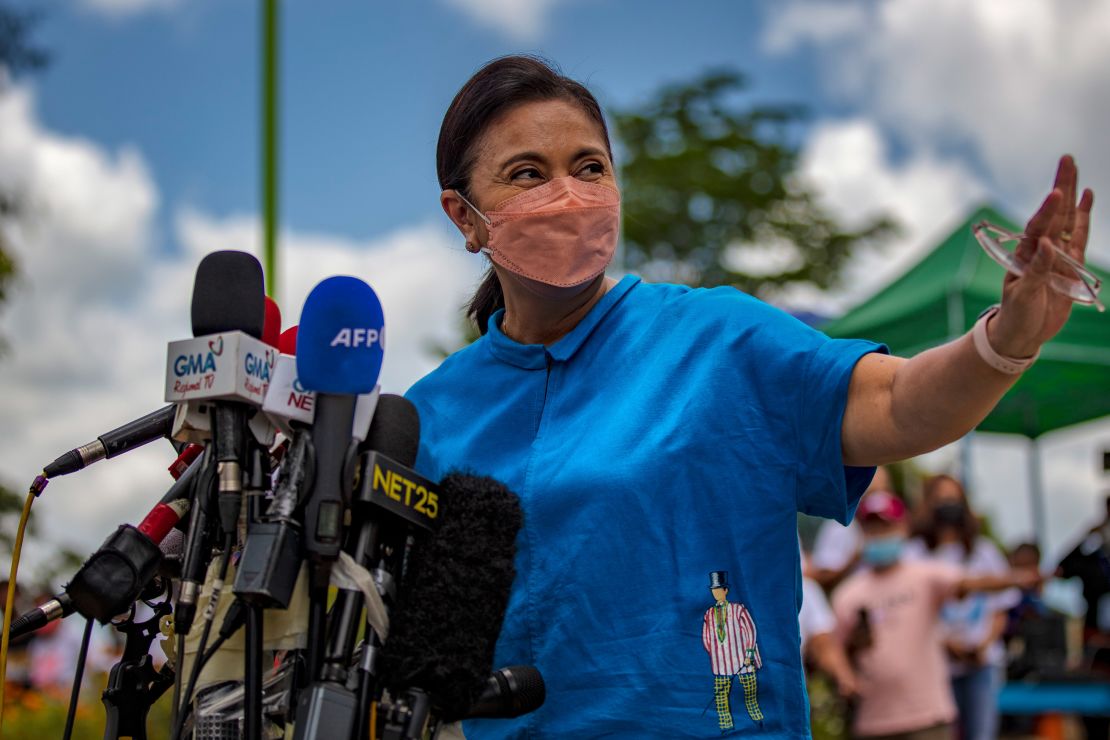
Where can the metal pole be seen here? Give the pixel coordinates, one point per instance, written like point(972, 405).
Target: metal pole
point(1036, 494)
point(270, 142)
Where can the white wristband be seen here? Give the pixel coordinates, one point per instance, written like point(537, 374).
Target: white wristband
point(1008, 365)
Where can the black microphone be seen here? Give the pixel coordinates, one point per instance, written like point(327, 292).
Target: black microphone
point(60, 607)
point(509, 692)
point(123, 439)
point(453, 599)
point(228, 296)
point(114, 576)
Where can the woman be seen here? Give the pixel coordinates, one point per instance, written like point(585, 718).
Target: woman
point(662, 439)
point(948, 532)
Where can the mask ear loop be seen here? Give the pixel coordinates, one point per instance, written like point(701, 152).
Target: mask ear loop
point(481, 215)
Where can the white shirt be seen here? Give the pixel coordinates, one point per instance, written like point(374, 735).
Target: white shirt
point(836, 545)
point(815, 617)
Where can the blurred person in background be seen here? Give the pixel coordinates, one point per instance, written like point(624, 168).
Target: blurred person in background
point(902, 676)
point(947, 531)
point(820, 646)
point(836, 549)
point(1089, 561)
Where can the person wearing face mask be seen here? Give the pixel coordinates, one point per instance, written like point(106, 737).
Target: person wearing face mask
point(656, 433)
point(948, 531)
point(902, 677)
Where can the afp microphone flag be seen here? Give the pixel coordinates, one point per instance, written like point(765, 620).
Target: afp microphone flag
point(340, 337)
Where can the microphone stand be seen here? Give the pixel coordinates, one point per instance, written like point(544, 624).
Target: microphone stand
point(257, 477)
point(133, 684)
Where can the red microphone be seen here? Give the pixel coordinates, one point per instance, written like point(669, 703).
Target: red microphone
point(287, 342)
point(271, 325)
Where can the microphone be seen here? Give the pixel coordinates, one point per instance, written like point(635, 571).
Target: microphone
point(122, 439)
point(271, 322)
point(59, 607)
point(219, 372)
point(339, 355)
point(287, 342)
point(114, 576)
point(508, 693)
point(453, 600)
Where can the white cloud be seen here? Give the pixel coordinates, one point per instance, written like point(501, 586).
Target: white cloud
point(824, 21)
point(848, 164)
point(123, 8)
point(980, 99)
point(1015, 84)
point(519, 21)
point(96, 304)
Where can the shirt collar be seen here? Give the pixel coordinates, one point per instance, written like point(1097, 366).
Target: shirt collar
point(534, 356)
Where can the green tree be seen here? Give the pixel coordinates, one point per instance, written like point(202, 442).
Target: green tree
point(18, 55)
point(711, 194)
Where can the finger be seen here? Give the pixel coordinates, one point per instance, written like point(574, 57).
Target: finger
point(1042, 219)
point(1077, 248)
point(1067, 175)
point(1043, 260)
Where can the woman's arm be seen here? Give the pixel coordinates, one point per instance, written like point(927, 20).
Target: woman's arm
point(898, 408)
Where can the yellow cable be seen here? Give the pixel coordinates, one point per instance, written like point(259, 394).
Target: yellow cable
point(9, 605)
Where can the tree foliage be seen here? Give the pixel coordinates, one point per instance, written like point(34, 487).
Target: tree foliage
point(711, 194)
point(19, 54)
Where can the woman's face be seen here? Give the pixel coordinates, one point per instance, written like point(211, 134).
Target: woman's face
point(946, 492)
point(527, 146)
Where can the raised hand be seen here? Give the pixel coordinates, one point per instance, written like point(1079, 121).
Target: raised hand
point(1032, 312)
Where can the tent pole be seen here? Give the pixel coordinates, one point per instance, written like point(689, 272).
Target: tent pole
point(1036, 494)
point(965, 460)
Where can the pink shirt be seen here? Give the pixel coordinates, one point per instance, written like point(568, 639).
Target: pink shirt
point(731, 645)
point(903, 677)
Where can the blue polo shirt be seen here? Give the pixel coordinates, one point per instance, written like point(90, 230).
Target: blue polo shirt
point(672, 434)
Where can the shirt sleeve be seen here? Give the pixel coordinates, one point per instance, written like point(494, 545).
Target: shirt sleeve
point(993, 563)
point(826, 486)
point(943, 580)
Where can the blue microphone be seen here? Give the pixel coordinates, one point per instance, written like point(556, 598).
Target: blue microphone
point(339, 355)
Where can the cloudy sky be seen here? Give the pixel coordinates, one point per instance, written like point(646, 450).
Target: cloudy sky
point(137, 152)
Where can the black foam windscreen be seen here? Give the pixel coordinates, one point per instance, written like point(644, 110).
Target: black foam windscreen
point(394, 429)
point(228, 295)
point(453, 596)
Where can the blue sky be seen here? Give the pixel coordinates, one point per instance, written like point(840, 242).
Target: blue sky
point(364, 87)
point(139, 148)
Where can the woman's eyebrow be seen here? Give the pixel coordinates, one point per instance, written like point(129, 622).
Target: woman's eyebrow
point(591, 151)
point(522, 156)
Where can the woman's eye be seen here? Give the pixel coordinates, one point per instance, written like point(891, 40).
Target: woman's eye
point(592, 170)
point(527, 173)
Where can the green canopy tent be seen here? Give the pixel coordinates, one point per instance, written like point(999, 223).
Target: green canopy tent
point(939, 299)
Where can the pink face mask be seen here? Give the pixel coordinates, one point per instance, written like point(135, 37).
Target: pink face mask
point(562, 233)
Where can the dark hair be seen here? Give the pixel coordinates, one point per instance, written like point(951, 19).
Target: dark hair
point(494, 89)
point(927, 528)
point(1031, 548)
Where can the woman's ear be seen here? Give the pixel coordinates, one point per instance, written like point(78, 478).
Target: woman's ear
point(460, 214)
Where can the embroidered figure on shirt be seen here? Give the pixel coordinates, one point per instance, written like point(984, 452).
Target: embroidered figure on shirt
point(728, 635)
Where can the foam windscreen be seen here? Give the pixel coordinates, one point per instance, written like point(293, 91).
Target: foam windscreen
point(287, 342)
point(228, 295)
point(453, 596)
point(395, 429)
point(271, 324)
point(340, 338)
